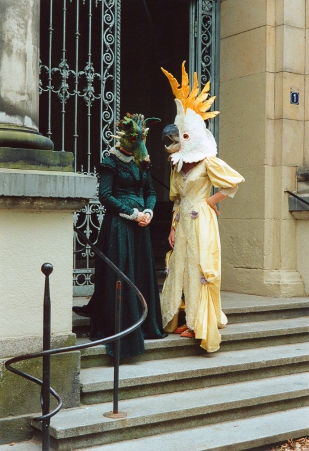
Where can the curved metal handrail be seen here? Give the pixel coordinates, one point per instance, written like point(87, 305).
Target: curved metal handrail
point(110, 339)
point(159, 181)
point(297, 197)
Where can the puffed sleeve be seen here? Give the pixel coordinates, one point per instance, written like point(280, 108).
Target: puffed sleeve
point(108, 171)
point(223, 176)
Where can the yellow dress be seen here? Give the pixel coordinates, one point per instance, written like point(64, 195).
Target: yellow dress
point(194, 265)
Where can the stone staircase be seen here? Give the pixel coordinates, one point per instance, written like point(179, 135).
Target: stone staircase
point(250, 394)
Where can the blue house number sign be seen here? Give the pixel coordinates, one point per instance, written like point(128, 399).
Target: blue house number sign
point(294, 98)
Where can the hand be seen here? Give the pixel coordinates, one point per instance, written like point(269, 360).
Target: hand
point(140, 217)
point(145, 221)
point(214, 199)
point(171, 237)
point(212, 203)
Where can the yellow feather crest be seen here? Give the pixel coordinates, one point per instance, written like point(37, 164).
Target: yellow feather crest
point(200, 103)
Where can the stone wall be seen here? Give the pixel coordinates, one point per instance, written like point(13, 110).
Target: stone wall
point(262, 136)
point(36, 223)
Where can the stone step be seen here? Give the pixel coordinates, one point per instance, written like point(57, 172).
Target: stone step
point(80, 427)
point(265, 333)
point(146, 378)
point(234, 336)
point(238, 307)
point(251, 434)
point(29, 445)
point(250, 308)
point(240, 435)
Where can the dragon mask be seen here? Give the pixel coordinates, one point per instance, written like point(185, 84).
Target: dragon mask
point(194, 141)
point(131, 137)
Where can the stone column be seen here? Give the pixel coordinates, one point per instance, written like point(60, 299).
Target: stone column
point(262, 135)
point(38, 194)
point(19, 75)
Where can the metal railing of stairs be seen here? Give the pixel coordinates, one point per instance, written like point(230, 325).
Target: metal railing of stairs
point(297, 197)
point(160, 183)
point(46, 390)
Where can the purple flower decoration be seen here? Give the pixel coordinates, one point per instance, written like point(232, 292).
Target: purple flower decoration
point(177, 216)
point(166, 271)
point(204, 280)
point(194, 214)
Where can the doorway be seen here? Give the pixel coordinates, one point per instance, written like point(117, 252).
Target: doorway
point(154, 34)
point(101, 59)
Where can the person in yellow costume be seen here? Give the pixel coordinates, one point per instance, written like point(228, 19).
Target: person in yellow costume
point(194, 264)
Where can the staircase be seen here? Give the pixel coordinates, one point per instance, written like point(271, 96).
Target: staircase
point(251, 393)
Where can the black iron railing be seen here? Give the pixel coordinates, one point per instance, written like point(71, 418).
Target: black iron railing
point(46, 390)
point(297, 197)
point(159, 181)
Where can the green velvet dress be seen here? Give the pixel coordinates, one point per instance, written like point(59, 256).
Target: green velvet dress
point(124, 187)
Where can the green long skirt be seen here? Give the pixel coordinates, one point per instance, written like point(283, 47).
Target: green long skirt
point(129, 247)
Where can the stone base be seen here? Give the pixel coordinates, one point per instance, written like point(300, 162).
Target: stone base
point(16, 429)
point(284, 283)
point(276, 283)
point(20, 398)
point(38, 159)
point(23, 137)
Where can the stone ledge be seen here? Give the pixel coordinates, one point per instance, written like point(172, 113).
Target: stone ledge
point(45, 160)
point(41, 203)
point(43, 184)
point(300, 214)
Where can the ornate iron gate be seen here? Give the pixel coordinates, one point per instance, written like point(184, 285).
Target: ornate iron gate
point(80, 90)
point(204, 48)
point(79, 87)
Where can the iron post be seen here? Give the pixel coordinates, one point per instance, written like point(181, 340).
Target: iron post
point(115, 413)
point(46, 269)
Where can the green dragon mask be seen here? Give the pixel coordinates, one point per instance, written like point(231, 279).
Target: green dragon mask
point(131, 137)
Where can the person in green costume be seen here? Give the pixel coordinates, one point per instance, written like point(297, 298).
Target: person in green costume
point(127, 193)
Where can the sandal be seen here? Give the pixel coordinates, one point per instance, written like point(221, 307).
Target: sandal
point(188, 333)
point(180, 329)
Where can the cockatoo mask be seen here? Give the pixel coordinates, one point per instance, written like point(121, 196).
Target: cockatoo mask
point(195, 141)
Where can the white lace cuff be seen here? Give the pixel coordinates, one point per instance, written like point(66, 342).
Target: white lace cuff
point(150, 212)
point(229, 191)
point(132, 217)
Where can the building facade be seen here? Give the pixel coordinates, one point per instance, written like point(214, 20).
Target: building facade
point(264, 60)
point(263, 131)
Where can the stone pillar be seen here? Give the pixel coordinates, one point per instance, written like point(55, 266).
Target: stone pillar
point(262, 135)
point(38, 194)
point(19, 75)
